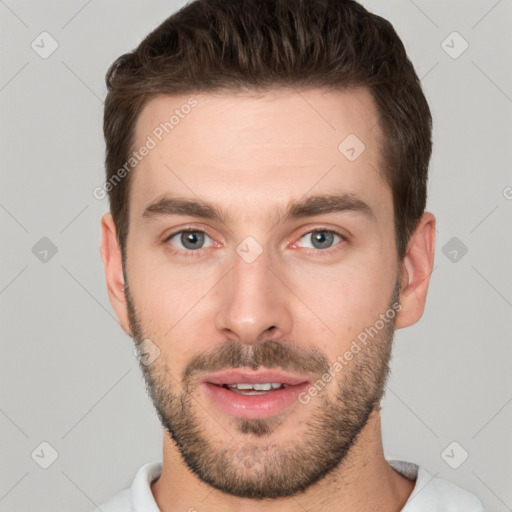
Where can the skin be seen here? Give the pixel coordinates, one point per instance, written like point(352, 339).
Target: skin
point(251, 156)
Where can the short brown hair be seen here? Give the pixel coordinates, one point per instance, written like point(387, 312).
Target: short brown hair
point(258, 45)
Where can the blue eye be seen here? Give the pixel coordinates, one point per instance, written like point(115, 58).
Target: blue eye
point(323, 238)
point(190, 240)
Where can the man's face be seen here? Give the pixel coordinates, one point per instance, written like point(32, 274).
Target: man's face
point(259, 290)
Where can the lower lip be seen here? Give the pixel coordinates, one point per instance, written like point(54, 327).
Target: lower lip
point(253, 406)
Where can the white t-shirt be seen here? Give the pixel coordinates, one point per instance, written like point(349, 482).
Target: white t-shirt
point(429, 494)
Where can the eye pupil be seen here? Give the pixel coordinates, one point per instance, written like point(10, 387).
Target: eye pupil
point(192, 239)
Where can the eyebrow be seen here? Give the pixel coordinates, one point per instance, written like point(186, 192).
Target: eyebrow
point(313, 205)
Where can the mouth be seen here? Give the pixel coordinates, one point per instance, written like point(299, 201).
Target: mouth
point(254, 389)
point(249, 394)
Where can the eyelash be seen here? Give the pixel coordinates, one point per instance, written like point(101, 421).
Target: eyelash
point(196, 253)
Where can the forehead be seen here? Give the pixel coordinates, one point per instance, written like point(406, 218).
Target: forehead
point(279, 144)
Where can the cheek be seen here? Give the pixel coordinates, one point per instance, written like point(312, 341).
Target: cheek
point(169, 310)
point(166, 294)
point(346, 297)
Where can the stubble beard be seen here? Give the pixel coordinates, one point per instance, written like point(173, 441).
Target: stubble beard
point(251, 464)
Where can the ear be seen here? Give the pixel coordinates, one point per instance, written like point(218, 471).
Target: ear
point(416, 269)
point(112, 264)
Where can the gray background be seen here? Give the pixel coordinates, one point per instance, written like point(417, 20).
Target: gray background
point(68, 376)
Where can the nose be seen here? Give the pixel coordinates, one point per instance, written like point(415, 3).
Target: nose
point(254, 304)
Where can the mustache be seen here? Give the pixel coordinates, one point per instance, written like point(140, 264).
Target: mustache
point(282, 354)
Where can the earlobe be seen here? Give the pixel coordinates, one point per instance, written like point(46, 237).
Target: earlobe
point(112, 264)
point(416, 269)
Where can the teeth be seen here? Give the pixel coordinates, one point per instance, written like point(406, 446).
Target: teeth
point(267, 386)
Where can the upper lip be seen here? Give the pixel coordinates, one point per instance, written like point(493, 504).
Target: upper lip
point(237, 376)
